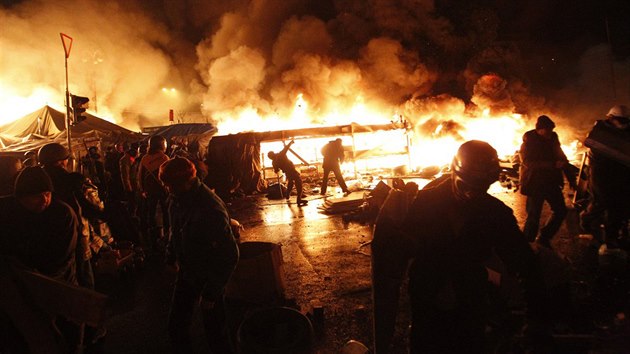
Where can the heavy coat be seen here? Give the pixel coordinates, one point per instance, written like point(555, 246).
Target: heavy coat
point(201, 239)
point(538, 162)
point(447, 241)
point(45, 241)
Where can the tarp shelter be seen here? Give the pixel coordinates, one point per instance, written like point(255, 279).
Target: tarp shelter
point(193, 133)
point(47, 124)
point(234, 164)
point(234, 160)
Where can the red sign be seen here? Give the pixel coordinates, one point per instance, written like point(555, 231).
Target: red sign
point(66, 46)
point(170, 115)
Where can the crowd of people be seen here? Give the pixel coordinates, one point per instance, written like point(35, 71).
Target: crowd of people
point(59, 223)
point(152, 194)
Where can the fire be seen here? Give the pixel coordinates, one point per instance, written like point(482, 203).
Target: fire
point(414, 147)
point(16, 105)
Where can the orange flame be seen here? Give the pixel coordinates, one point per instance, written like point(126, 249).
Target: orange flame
point(411, 147)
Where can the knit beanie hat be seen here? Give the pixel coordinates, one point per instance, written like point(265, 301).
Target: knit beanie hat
point(177, 171)
point(32, 180)
point(544, 122)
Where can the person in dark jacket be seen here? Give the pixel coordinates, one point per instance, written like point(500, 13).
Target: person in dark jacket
point(542, 171)
point(41, 231)
point(280, 161)
point(114, 182)
point(448, 233)
point(54, 159)
point(93, 168)
point(333, 156)
point(153, 193)
point(204, 252)
point(609, 180)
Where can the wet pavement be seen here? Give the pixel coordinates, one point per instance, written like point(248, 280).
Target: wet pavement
point(327, 266)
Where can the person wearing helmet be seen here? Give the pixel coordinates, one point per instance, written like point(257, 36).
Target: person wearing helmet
point(153, 191)
point(447, 234)
point(542, 171)
point(54, 159)
point(608, 179)
point(280, 161)
point(30, 158)
point(203, 251)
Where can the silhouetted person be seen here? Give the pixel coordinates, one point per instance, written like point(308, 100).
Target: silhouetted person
point(280, 161)
point(112, 158)
point(542, 170)
point(448, 232)
point(333, 156)
point(204, 252)
point(152, 190)
point(40, 231)
point(127, 178)
point(609, 181)
point(54, 158)
point(93, 168)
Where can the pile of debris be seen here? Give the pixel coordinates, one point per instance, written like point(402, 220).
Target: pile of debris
point(351, 202)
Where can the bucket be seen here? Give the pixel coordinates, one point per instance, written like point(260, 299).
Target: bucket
point(259, 274)
point(277, 330)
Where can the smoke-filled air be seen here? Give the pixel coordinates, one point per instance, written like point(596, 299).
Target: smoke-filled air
point(282, 64)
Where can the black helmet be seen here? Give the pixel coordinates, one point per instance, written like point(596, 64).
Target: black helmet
point(476, 164)
point(51, 153)
point(157, 142)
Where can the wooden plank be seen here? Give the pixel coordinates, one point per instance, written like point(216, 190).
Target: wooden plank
point(75, 303)
point(34, 324)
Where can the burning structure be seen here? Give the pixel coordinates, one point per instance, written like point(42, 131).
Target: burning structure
point(268, 65)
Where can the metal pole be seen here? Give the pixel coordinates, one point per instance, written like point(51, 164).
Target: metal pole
point(354, 151)
point(68, 118)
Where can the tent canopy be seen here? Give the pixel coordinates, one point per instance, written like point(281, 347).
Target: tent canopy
point(48, 125)
point(49, 122)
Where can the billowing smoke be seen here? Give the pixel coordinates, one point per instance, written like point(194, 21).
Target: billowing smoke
point(257, 57)
point(119, 58)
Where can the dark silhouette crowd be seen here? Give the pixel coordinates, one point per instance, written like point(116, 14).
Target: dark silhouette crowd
point(69, 226)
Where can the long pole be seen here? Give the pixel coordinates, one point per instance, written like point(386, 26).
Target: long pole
point(68, 117)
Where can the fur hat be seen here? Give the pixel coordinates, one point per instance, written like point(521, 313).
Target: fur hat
point(32, 180)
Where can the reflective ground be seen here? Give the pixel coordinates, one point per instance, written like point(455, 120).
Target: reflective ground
point(326, 263)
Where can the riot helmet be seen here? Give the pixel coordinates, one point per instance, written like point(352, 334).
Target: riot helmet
point(619, 111)
point(476, 165)
point(51, 153)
